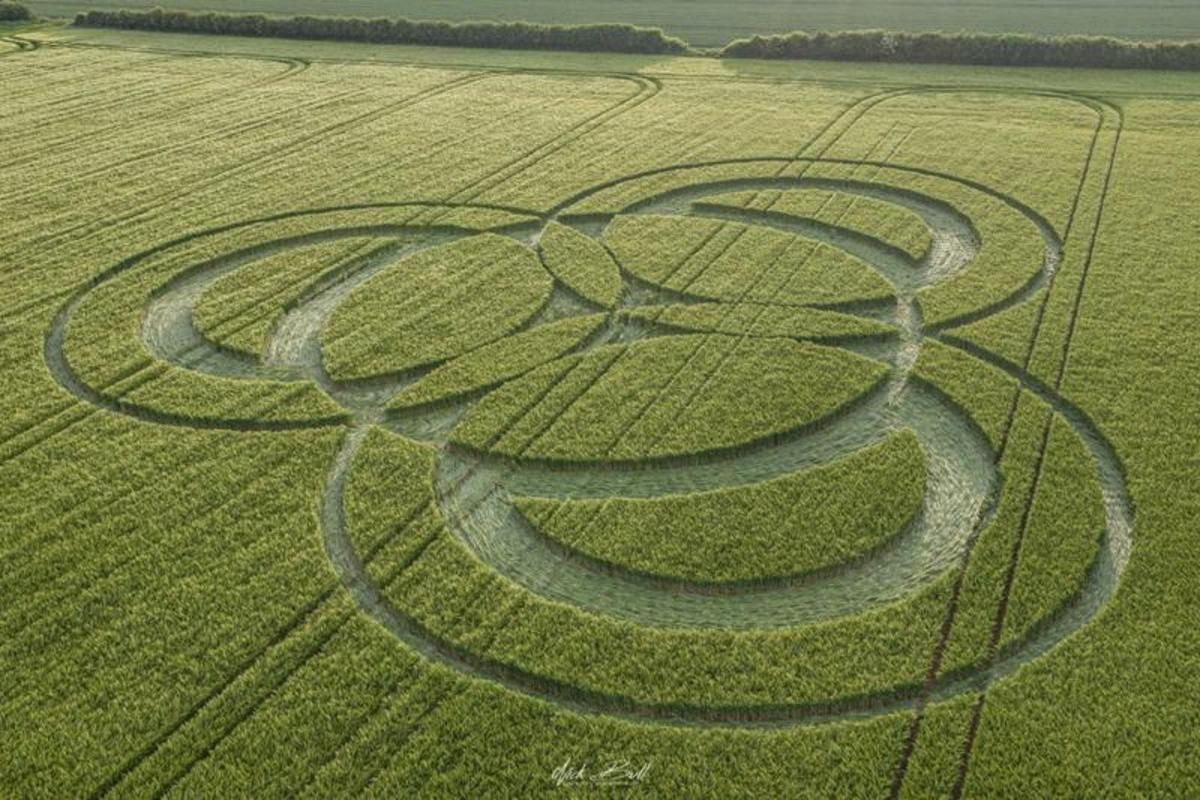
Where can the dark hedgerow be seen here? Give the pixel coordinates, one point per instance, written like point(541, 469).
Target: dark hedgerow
point(513, 35)
point(14, 12)
point(996, 49)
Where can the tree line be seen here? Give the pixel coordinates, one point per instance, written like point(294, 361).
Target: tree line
point(14, 12)
point(618, 38)
point(995, 49)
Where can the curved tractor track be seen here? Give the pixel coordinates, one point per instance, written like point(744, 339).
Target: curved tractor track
point(20, 43)
point(474, 489)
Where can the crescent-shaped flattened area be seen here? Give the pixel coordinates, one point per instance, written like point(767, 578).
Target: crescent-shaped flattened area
point(890, 223)
point(435, 305)
point(785, 527)
point(722, 260)
point(666, 397)
point(240, 310)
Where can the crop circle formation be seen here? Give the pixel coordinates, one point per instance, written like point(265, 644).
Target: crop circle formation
point(694, 414)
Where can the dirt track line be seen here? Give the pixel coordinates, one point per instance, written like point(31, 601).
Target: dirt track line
point(83, 100)
point(859, 110)
point(1091, 247)
point(451, 692)
point(753, 284)
point(309, 610)
point(48, 147)
point(369, 717)
point(95, 96)
point(293, 63)
point(1002, 611)
point(688, 256)
point(556, 143)
point(952, 608)
point(1045, 300)
point(45, 83)
point(513, 421)
point(915, 728)
point(76, 102)
point(869, 101)
point(308, 654)
point(72, 404)
point(23, 45)
point(274, 155)
point(531, 156)
point(648, 89)
point(33, 305)
point(583, 390)
point(774, 297)
point(239, 128)
point(195, 514)
point(453, 139)
point(38, 543)
point(653, 401)
point(53, 532)
point(737, 236)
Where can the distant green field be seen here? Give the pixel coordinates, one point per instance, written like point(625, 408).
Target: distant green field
point(709, 23)
point(406, 422)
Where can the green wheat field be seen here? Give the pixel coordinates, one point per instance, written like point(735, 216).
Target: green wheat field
point(388, 421)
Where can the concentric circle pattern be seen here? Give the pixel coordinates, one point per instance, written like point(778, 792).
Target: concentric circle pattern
point(684, 412)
